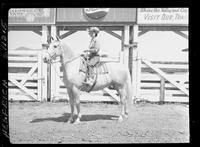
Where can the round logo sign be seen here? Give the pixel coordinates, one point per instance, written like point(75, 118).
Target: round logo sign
point(96, 13)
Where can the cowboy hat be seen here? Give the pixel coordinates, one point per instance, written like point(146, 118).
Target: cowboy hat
point(93, 29)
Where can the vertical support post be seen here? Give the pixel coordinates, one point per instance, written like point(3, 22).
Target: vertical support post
point(48, 82)
point(136, 68)
point(54, 70)
point(39, 84)
point(130, 50)
point(49, 76)
point(162, 90)
point(126, 42)
point(138, 94)
point(45, 34)
point(122, 49)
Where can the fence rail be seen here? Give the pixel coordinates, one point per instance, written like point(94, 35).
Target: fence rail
point(159, 81)
point(24, 75)
point(150, 84)
point(169, 81)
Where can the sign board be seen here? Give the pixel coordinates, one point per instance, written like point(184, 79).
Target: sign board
point(162, 16)
point(115, 16)
point(30, 16)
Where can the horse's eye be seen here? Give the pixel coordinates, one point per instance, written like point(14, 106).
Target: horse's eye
point(55, 46)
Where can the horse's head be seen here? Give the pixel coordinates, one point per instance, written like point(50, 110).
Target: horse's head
point(53, 50)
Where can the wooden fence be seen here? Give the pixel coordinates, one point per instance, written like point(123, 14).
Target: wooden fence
point(26, 78)
point(154, 87)
point(160, 81)
point(165, 81)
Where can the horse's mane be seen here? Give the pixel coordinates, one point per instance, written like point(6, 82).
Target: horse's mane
point(68, 52)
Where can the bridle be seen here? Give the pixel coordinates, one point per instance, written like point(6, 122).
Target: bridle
point(51, 60)
point(52, 56)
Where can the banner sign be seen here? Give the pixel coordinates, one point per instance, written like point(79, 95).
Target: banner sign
point(162, 16)
point(31, 16)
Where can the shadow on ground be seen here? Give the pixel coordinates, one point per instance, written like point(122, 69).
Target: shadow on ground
point(84, 118)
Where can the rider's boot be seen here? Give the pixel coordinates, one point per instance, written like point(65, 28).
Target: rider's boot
point(88, 82)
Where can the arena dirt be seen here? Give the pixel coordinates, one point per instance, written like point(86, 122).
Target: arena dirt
point(35, 122)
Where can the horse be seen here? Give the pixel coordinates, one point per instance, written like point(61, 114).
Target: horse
point(118, 77)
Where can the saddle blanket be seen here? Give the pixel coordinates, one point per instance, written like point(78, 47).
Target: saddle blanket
point(101, 68)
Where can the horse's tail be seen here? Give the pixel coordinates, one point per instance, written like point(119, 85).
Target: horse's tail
point(129, 89)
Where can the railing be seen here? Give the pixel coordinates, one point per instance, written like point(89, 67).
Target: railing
point(24, 75)
point(159, 81)
point(164, 81)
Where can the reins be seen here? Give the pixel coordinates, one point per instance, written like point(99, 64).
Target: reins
point(66, 62)
point(70, 60)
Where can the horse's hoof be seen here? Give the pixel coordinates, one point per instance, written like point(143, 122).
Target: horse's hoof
point(70, 121)
point(126, 116)
point(77, 122)
point(120, 119)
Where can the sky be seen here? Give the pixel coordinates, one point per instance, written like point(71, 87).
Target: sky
point(153, 45)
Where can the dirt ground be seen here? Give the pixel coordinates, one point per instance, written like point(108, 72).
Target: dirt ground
point(35, 122)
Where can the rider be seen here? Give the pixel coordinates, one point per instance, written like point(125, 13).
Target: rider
point(93, 51)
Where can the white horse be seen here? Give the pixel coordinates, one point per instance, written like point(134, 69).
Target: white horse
point(118, 76)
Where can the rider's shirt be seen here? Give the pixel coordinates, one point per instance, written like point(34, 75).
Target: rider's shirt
point(94, 45)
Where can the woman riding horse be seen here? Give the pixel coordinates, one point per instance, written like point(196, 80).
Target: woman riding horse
point(93, 56)
point(118, 76)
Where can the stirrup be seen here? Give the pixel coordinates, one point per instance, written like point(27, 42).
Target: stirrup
point(88, 82)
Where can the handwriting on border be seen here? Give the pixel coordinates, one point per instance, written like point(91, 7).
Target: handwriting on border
point(4, 86)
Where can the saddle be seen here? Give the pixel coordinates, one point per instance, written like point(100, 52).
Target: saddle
point(94, 67)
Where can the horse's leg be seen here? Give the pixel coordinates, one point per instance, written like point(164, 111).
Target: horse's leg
point(124, 103)
point(126, 109)
point(76, 93)
point(126, 95)
point(128, 92)
point(71, 102)
point(122, 95)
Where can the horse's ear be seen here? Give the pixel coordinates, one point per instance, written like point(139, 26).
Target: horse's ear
point(49, 39)
point(58, 39)
point(52, 38)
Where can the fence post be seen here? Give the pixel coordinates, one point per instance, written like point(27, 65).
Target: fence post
point(121, 60)
point(136, 66)
point(162, 90)
point(45, 34)
point(131, 32)
point(138, 94)
point(126, 42)
point(39, 85)
point(54, 70)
